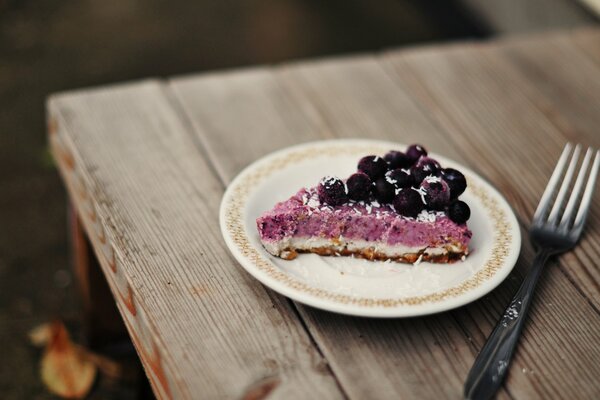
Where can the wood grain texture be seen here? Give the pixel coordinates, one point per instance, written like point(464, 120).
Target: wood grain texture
point(353, 98)
point(502, 123)
point(588, 41)
point(146, 164)
point(100, 318)
point(567, 81)
point(512, 16)
point(203, 328)
point(426, 358)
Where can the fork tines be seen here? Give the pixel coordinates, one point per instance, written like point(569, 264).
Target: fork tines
point(573, 214)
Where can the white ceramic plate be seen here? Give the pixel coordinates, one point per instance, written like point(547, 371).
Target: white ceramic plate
point(354, 286)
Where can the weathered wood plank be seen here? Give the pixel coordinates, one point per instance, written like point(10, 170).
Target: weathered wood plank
point(588, 40)
point(270, 121)
point(417, 358)
point(494, 115)
point(202, 327)
point(512, 16)
point(567, 80)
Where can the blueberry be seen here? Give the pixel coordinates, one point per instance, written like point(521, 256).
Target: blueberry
point(415, 151)
point(423, 161)
point(397, 159)
point(359, 186)
point(437, 193)
point(384, 191)
point(408, 202)
point(332, 191)
point(400, 178)
point(455, 180)
point(423, 168)
point(374, 166)
point(459, 212)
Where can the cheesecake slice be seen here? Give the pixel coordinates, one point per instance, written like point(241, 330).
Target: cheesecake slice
point(389, 210)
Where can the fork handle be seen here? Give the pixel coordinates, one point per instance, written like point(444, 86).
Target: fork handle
point(491, 365)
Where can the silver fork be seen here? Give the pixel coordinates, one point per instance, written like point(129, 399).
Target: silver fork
point(552, 233)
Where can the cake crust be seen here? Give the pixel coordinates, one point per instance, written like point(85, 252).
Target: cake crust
point(372, 255)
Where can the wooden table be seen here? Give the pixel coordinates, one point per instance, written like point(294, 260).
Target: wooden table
point(146, 163)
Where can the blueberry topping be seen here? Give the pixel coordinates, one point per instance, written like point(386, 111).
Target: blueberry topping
point(332, 191)
point(384, 191)
point(459, 212)
point(423, 161)
point(408, 202)
point(411, 181)
point(400, 178)
point(359, 186)
point(415, 151)
point(374, 166)
point(397, 159)
point(455, 180)
point(425, 167)
point(437, 193)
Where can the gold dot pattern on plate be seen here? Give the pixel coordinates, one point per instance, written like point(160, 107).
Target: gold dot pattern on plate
point(235, 226)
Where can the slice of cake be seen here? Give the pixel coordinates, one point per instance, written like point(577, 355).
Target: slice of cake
point(402, 207)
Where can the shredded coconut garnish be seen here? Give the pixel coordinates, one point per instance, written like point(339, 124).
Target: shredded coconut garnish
point(313, 203)
point(422, 192)
point(405, 170)
point(328, 180)
point(389, 179)
point(426, 216)
point(432, 179)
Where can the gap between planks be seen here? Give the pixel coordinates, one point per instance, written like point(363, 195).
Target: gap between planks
point(223, 180)
point(288, 350)
point(421, 83)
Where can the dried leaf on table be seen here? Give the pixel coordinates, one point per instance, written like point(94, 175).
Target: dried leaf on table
point(40, 335)
point(66, 370)
point(105, 365)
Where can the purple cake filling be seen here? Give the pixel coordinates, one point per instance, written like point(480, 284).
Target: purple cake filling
point(303, 215)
